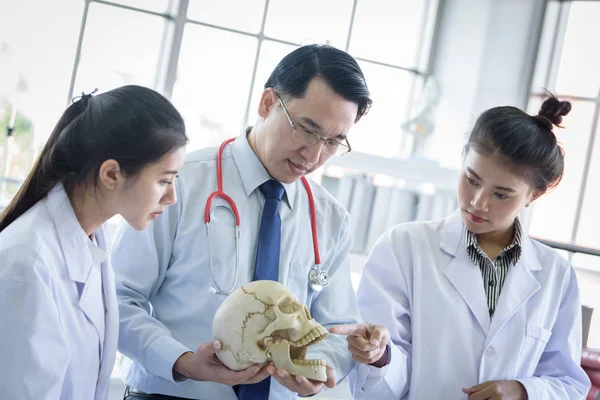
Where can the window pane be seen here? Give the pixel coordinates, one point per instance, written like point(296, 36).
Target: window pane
point(30, 36)
point(580, 58)
point(309, 21)
point(128, 53)
point(589, 262)
point(589, 290)
point(160, 6)
point(387, 31)
point(545, 221)
point(270, 55)
point(243, 15)
point(587, 234)
point(542, 62)
point(213, 81)
point(428, 29)
point(379, 132)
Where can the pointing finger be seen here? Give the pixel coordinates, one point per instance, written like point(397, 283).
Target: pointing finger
point(348, 329)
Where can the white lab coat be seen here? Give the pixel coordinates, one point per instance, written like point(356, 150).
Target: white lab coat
point(51, 306)
point(420, 283)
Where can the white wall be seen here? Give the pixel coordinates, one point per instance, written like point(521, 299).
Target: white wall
point(509, 53)
point(484, 56)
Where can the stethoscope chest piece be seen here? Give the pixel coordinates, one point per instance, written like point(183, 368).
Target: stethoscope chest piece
point(317, 278)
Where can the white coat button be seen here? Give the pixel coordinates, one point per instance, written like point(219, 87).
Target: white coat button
point(490, 352)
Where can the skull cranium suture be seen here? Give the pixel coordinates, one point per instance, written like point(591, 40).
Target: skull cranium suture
point(264, 321)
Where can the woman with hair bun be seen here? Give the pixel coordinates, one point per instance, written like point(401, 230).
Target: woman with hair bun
point(470, 307)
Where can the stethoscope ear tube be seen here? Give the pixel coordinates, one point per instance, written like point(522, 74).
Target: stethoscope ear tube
point(317, 278)
point(217, 289)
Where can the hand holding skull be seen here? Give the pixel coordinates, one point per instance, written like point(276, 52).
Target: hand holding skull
point(264, 322)
point(205, 366)
point(300, 384)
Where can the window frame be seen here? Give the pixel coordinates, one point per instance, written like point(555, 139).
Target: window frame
point(557, 28)
point(176, 20)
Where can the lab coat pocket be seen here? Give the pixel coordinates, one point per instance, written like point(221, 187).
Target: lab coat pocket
point(536, 338)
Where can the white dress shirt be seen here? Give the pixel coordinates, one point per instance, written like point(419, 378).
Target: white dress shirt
point(164, 280)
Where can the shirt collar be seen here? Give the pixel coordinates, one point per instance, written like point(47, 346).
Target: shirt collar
point(73, 239)
point(252, 171)
point(515, 244)
point(98, 255)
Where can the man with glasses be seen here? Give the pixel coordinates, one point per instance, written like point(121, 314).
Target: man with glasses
point(167, 287)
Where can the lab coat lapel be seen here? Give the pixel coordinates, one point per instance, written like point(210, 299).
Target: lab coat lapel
point(112, 320)
point(74, 245)
point(519, 286)
point(72, 238)
point(90, 297)
point(462, 273)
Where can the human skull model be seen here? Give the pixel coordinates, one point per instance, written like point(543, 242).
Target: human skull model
point(263, 321)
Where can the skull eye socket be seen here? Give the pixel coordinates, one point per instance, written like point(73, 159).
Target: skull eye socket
point(307, 313)
point(288, 305)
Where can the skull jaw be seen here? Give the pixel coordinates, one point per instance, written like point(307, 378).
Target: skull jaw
point(280, 354)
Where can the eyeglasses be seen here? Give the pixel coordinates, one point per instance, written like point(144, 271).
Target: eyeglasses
point(309, 138)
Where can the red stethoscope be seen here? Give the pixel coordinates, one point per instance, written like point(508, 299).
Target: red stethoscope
point(317, 278)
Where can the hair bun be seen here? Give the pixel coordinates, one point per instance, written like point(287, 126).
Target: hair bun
point(553, 110)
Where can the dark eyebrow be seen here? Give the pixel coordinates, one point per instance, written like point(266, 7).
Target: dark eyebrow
point(505, 189)
point(314, 125)
point(469, 170)
point(173, 172)
point(497, 187)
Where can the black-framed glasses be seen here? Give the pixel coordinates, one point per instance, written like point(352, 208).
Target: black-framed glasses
point(307, 137)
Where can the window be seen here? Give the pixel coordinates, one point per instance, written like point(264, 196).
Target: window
point(213, 83)
point(178, 47)
point(126, 54)
point(390, 39)
point(568, 63)
point(31, 95)
point(247, 17)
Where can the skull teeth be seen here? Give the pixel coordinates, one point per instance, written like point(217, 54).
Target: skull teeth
point(318, 363)
point(314, 336)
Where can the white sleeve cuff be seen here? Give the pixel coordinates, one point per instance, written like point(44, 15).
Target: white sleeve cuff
point(529, 384)
point(390, 378)
point(161, 356)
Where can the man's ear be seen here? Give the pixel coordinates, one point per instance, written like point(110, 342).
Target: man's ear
point(268, 101)
point(109, 174)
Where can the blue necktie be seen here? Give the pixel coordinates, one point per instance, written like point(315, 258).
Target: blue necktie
point(269, 235)
point(266, 267)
